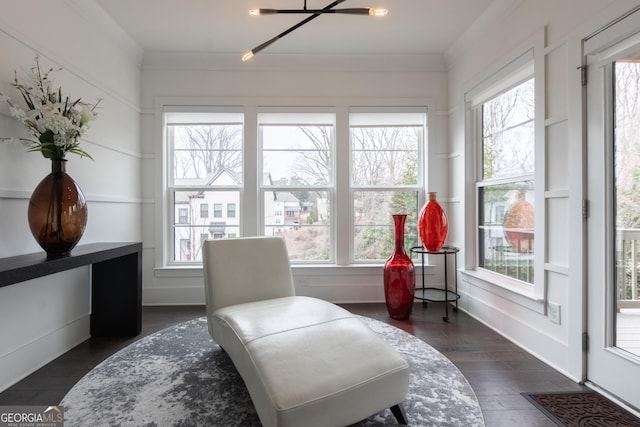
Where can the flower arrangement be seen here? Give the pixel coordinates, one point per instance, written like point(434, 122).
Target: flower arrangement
point(56, 121)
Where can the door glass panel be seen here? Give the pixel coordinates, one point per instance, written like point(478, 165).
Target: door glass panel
point(627, 204)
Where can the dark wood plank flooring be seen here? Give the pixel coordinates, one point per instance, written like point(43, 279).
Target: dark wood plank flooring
point(497, 369)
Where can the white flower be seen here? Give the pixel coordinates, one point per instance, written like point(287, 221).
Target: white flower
point(56, 121)
point(86, 114)
point(18, 113)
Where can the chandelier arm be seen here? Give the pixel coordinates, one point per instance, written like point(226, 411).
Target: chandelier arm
point(354, 11)
point(350, 11)
point(294, 27)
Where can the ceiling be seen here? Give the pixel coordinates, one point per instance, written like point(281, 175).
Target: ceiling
point(412, 27)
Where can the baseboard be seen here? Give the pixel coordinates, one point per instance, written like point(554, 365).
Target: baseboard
point(334, 293)
point(23, 361)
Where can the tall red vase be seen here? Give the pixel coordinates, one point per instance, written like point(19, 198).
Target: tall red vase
point(57, 212)
point(433, 224)
point(399, 275)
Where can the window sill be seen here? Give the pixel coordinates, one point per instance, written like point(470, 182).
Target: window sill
point(298, 269)
point(512, 290)
point(178, 271)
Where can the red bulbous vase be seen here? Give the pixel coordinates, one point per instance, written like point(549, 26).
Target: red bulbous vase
point(433, 225)
point(57, 212)
point(399, 275)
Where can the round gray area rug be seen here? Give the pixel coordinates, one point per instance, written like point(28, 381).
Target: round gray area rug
point(180, 377)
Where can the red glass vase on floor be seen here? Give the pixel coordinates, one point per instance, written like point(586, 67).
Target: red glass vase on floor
point(57, 212)
point(433, 225)
point(399, 275)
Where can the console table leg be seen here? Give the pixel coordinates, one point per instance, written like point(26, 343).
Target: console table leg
point(116, 296)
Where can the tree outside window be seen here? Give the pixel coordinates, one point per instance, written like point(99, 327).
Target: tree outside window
point(297, 158)
point(627, 178)
point(387, 160)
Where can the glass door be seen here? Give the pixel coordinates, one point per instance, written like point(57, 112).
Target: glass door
point(626, 203)
point(613, 152)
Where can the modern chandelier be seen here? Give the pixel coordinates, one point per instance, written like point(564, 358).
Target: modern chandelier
point(314, 14)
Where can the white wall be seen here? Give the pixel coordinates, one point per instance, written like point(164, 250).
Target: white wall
point(42, 318)
point(292, 81)
point(487, 47)
point(124, 187)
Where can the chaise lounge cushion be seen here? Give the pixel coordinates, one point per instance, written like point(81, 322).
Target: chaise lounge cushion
point(309, 362)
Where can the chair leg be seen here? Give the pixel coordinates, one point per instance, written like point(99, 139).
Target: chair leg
point(398, 412)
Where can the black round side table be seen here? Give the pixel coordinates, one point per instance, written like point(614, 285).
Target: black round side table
point(437, 294)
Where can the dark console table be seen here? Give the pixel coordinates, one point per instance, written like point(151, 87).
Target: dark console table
point(116, 282)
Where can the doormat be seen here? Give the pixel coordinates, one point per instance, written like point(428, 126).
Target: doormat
point(582, 409)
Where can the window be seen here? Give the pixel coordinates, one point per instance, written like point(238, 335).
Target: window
point(183, 215)
point(506, 185)
point(205, 167)
point(387, 152)
point(377, 168)
point(217, 210)
point(297, 186)
point(231, 210)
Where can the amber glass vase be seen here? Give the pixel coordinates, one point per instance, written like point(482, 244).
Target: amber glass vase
point(399, 275)
point(433, 225)
point(57, 212)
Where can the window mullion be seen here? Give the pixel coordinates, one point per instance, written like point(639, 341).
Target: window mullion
point(250, 217)
point(343, 206)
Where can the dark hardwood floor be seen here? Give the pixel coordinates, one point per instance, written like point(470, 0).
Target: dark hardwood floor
point(497, 370)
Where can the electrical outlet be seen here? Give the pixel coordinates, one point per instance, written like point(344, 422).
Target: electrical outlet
point(554, 312)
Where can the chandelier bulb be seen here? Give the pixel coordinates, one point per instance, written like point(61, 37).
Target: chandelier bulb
point(247, 56)
point(377, 11)
point(254, 12)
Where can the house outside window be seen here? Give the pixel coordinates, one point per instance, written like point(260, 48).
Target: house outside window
point(218, 229)
point(205, 167)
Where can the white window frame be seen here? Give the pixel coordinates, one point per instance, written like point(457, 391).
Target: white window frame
point(168, 253)
point(250, 223)
point(313, 115)
point(528, 61)
point(418, 187)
